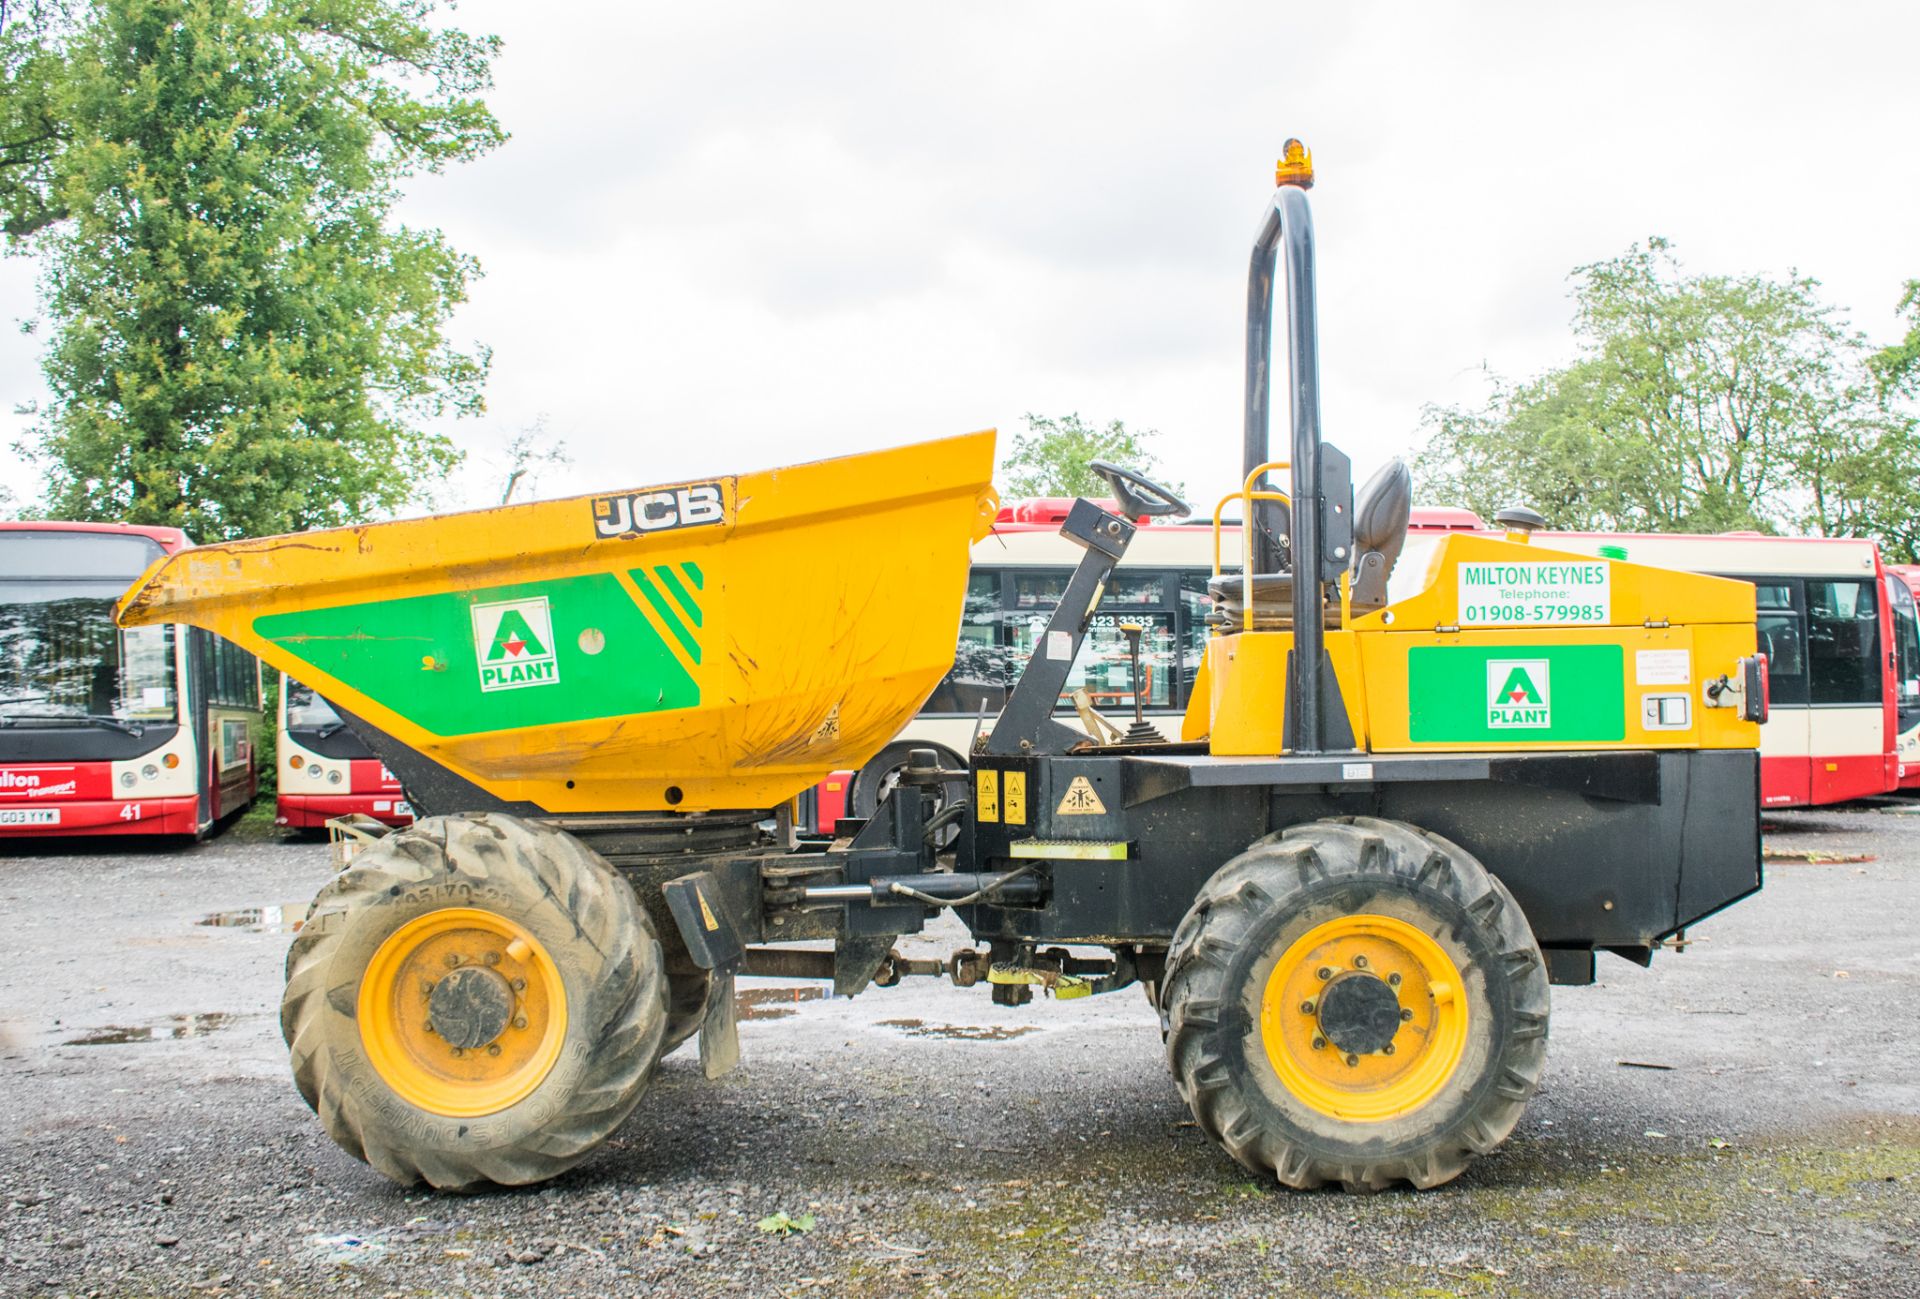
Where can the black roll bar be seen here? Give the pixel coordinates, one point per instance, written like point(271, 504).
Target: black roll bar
point(1289, 220)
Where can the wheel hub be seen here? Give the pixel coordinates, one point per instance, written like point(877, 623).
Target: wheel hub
point(1359, 1014)
point(1363, 1017)
point(471, 1007)
point(462, 1012)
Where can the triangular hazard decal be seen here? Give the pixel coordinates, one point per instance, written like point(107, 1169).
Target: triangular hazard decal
point(1081, 799)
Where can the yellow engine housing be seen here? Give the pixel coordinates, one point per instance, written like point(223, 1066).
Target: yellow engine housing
point(1567, 652)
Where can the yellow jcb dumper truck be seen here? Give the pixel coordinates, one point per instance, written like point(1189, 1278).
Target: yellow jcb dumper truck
point(1387, 828)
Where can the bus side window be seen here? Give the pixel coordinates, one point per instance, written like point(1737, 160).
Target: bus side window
point(984, 663)
point(235, 678)
point(1906, 637)
point(1782, 641)
point(1843, 643)
point(1195, 604)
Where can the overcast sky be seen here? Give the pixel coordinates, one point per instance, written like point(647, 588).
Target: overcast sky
point(726, 236)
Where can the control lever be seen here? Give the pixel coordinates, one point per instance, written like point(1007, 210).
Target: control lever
point(1141, 732)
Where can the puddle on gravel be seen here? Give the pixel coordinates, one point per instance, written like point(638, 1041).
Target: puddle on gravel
point(174, 1026)
point(773, 1003)
point(283, 919)
point(958, 1032)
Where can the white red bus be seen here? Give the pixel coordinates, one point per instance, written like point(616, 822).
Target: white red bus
point(102, 731)
point(325, 770)
point(1904, 587)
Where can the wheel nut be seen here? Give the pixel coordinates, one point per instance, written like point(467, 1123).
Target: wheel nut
point(1319, 1043)
point(492, 958)
point(1393, 980)
point(1385, 1050)
point(426, 989)
point(1359, 962)
point(1324, 972)
point(494, 1049)
point(1306, 1008)
point(457, 1053)
point(520, 1021)
point(429, 1026)
point(1406, 1016)
point(453, 960)
point(519, 985)
point(1352, 1060)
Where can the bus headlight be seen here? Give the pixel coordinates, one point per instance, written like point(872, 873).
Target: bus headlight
point(333, 777)
point(150, 771)
point(126, 779)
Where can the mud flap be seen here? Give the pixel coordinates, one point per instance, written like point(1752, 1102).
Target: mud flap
point(712, 941)
point(720, 1028)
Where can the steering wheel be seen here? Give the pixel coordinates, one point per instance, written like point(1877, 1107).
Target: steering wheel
point(1151, 500)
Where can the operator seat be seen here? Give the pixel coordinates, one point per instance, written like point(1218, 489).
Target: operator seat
point(1383, 509)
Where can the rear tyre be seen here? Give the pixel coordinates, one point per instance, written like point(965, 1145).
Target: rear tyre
point(686, 1007)
point(477, 999)
point(1356, 1001)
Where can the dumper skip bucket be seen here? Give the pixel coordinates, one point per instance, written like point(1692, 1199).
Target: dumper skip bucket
point(703, 645)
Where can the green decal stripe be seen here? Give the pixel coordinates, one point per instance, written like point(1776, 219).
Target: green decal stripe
point(680, 593)
point(1447, 694)
point(417, 657)
point(692, 570)
point(667, 614)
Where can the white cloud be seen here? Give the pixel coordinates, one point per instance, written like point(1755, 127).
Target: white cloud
point(730, 235)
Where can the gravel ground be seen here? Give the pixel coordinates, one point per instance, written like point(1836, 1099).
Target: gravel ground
point(152, 1143)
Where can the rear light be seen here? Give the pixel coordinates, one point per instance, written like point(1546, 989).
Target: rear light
point(1757, 680)
point(150, 771)
point(126, 779)
point(333, 777)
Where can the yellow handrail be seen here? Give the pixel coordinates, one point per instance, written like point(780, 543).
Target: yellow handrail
point(1247, 495)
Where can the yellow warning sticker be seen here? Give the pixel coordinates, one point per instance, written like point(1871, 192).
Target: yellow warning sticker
point(1081, 800)
point(706, 912)
point(986, 795)
point(1016, 798)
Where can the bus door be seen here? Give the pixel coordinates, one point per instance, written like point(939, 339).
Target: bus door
point(1849, 689)
point(1786, 770)
point(1904, 658)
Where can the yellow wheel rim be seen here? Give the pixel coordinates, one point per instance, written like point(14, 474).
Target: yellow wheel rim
point(1399, 1056)
point(480, 972)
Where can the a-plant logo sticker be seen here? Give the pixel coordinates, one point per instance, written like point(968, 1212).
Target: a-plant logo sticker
point(513, 639)
point(1519, 694)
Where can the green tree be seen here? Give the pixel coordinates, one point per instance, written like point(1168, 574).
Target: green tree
point(240, 340)
point(1698, 403)
point(1898, 366)
point(1051, 457)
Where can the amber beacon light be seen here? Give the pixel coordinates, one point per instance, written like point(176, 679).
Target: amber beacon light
point(1295, 166)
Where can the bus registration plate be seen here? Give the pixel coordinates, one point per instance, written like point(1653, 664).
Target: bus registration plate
point(29, 816)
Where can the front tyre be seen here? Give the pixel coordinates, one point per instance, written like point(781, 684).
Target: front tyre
point(476, 999)
point(1356, 1001)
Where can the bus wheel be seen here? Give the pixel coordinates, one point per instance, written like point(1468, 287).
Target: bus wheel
point(477, 999)
point(1356, 1001)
